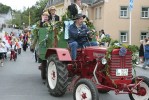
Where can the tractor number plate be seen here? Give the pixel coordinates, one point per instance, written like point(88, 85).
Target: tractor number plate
point(121, 72)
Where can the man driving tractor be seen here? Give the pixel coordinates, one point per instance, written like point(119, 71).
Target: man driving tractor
point(79, 36)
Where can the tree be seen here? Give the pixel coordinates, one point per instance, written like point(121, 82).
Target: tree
point(23, 17)
point(35, 14)
point(4, 9)
point(35, 11)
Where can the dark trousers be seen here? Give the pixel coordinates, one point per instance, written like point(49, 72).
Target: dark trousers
point(19, 51)
point(24, 46)
point(12, 55)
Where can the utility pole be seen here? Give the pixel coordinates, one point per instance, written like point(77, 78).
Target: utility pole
point(130, 21)
point(29, 19)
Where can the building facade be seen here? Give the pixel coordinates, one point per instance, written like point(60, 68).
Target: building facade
point(62, 5)
point(114, 17)
point(4, 18)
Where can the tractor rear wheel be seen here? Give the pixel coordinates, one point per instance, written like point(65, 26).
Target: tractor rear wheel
point(57, 76)
point(143, 90)
point(85, 90)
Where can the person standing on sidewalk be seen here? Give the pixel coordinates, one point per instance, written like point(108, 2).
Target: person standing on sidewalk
point(146, 55)
point(2, 47)
point(141, 51)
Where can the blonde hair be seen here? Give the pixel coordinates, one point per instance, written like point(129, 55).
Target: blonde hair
point(52, 7)
point(45, 13)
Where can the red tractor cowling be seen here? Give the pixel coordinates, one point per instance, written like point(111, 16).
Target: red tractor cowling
point(95, 73)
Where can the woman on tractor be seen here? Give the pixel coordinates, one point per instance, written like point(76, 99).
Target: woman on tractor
point(44, 19)
point(52, 14)
point(79, 36)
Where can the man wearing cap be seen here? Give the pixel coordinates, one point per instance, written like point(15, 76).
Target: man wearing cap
point(52, 15)
point(79, 36)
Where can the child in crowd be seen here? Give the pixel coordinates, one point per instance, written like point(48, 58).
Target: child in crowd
point(13, 49)
point(20, 46)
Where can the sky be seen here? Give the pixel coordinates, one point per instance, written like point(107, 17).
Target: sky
point(18, 4)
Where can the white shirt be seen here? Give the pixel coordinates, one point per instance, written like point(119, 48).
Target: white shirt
point(20, 44)
point(13, 47)
point(2, 47)
point(79, 9)
point(5, 48)
point(102, 36)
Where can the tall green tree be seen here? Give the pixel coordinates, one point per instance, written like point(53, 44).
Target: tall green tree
point(35, 13)
point(4, 9)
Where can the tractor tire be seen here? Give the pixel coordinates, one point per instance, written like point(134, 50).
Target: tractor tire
point(57, 76)
point(39, 60)
point(85, 90)
point(43, 69)
point(103, 91)
point(145, 85)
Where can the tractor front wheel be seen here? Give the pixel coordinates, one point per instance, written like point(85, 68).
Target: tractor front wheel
point(85, 90)
point(142, 90)
point(57, 76)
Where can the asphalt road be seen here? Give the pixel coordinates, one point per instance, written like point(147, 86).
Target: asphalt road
point(21, 80)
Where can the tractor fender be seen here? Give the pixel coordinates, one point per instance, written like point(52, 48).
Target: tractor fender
point(63, 54)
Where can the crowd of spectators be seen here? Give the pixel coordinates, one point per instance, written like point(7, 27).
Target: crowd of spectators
point(11, 45)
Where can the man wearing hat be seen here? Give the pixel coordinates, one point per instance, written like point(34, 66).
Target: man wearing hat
point(52, 15)
point(79, 36)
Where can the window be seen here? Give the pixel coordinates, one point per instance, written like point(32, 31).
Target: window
point(144, 35)
point(145, 12)
point(123, 36)
point(124, 12)
point(97, 12)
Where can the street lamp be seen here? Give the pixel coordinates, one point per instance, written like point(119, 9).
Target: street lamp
point(23, 25)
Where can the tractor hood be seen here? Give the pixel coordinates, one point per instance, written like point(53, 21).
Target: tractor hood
point(94, 52)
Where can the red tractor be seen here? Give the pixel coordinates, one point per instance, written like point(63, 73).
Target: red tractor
point(95, 73)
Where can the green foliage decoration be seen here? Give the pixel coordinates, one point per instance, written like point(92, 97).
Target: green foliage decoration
point(106, 39)
point(116, 45)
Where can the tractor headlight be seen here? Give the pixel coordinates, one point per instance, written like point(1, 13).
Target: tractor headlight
point(103, 61)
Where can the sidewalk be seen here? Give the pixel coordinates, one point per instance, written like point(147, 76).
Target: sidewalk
point(141, 65)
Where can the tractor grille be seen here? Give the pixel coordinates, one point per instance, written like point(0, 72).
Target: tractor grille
point(119, 62)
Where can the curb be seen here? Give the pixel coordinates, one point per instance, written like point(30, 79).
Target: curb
point(141, 65)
